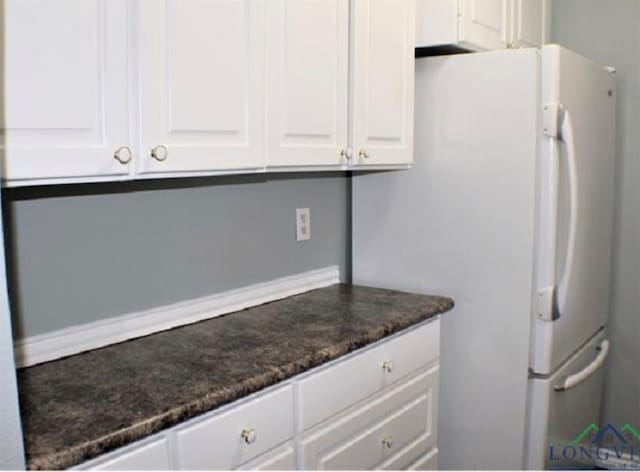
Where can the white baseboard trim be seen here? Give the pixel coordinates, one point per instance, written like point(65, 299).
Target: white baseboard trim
point(75, 339)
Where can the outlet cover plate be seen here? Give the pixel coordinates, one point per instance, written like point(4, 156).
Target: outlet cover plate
point(303, 224)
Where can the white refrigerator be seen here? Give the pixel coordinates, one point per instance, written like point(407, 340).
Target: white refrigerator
point(509, 210)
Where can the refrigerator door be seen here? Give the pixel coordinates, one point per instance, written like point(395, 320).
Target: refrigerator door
point(575, 211)
point(461, 223)
point(556, 417)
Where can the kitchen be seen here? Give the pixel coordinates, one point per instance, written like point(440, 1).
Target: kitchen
point(144, 243)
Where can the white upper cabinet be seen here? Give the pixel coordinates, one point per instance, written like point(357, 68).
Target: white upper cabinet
point(201, 85)
point(383, 81)
point(530, 23)
point(307, 82)
point(64, 108)
point(436, 22)
point(99, 90)
point(482, 24)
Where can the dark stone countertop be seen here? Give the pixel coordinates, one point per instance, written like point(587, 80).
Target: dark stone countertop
point(78, 407)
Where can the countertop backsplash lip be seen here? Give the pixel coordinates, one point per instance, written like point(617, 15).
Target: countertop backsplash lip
point(63, 428)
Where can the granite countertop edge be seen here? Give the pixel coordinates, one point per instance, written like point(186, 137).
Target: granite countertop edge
point(80, 453)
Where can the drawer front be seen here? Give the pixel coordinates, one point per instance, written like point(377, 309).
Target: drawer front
point(411, 454)
point(217, 442)
point(282, 458)
point(368, 436)
point(332, 390)
point(151, 455)
point(428, 462)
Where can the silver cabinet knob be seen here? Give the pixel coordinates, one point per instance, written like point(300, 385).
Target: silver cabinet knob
point(346, 153)
point(363, 153)
point(123, 155)
point(159, 153)
point(387, 441)
point(387, 366)
point(249, 435)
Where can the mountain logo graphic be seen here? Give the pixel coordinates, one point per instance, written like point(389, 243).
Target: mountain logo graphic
point(583, 434)
point(600, 433)
point(627, 428)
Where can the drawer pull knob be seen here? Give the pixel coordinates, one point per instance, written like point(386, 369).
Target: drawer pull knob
point(159, 153)
point(123, 155)
point(387, 366)
point(346, 153)
point(249, 435)
point(387, 441)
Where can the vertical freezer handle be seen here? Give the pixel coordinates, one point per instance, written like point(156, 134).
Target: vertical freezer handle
point(566, 133)
point(557, 125)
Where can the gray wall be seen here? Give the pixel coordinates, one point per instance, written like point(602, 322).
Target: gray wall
point(89, 252)
point(609, 32)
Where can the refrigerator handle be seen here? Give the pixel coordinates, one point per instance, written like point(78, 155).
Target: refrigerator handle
point(557, 125)
point(566, 134)
point(576, 379)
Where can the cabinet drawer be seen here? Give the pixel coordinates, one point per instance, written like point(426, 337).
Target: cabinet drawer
point(413, 453)
point(333, 389)
point(217, 442)
point(281, 458)
point(150, 455)
point(368, 436)
point(427, 462)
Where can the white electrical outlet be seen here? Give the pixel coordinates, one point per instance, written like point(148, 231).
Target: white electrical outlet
point(303, 224)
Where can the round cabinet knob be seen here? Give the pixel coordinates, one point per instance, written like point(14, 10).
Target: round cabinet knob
point(363, 153)
point(346, 153)
point(123, 155)
point(159, 153)
point(249, 435)
point(387, 366)
point(387, 441)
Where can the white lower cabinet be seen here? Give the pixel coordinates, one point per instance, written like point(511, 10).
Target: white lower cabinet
point(228, 439)
point(330, 390)
point(378, 431)
point(149, 454)
point(281, 458)
point(427, 462)
point(374, 408)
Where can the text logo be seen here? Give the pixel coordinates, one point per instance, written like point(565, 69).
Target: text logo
point(619, 447)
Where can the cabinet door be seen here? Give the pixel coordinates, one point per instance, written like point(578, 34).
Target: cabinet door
point(383, 76)
point(483, 23)
point(201, 85)
point(436, 22)
point(308, 80)
point(530, 23)
point(64, 111)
